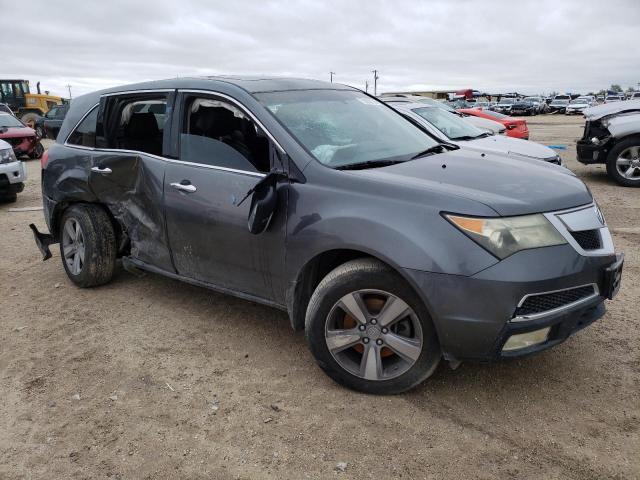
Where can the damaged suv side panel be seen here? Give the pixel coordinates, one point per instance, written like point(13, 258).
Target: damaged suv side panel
point(128, 183)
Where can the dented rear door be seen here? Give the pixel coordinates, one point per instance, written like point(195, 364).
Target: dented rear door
point(130, 184)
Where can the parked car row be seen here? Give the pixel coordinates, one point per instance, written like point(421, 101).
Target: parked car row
point(367, 222)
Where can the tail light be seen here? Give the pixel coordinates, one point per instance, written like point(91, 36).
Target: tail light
point(44, 159)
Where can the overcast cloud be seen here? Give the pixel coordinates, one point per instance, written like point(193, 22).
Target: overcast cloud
point(496, 46)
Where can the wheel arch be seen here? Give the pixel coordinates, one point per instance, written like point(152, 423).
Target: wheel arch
point(61, 207)
point(317, 267)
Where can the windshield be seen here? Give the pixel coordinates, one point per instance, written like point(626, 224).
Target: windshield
point(580, 100)
point(562, 97)
point(532, 99)
point(560, 102)
point(9, 121)
point(507, 101)
point(454, 127)
point(345, 127)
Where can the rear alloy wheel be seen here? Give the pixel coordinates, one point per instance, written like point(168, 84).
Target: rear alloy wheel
point(87, 245)
point(369, 331)
point(623, 164)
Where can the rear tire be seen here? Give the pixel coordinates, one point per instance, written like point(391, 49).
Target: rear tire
point(404, 351)
point(625, 156)
point(87, 245)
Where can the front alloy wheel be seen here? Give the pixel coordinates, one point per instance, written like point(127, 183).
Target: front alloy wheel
point(369, 330)
point(628, 163)
point(373, 334)
point(623, 163)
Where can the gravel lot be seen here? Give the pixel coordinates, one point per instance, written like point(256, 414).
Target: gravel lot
point(151, 378)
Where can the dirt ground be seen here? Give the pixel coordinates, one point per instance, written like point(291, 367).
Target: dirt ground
point(152, 378)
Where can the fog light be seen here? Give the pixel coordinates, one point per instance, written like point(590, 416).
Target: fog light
point(524, 340)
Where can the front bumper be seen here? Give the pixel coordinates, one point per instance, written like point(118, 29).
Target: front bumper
point(12, 176)
point(22, 145)
point(589, 153)
point(474, 316)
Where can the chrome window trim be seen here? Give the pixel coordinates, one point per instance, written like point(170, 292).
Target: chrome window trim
point(553, 311)
point(66, 140)
point(171, 160)
point(605, 235)
point(238, 104)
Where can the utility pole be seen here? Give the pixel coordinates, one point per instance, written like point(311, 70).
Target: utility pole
point(375, 82)
point(331, 74)
point(366, 86)
point(69, 87)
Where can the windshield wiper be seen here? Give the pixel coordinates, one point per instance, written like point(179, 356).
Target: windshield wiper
point(368, 164)
point(439, 148)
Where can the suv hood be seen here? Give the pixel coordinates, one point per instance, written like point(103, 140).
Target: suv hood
point(599, 111)
point(509, 145)
point(508, 186)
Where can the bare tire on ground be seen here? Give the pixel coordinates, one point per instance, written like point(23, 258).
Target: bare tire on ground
point(87, 245)
point(29, 119)
point(369, 330)
point(623, 162)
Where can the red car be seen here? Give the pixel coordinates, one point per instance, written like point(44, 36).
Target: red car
point(22, 138)
point(516, 127)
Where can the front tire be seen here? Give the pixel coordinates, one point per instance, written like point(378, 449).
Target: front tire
point(623, 162)
point(369, 330)
point(87, 245)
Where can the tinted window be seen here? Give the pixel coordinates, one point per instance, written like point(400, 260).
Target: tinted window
point(454, 127)
point(85, 133)
point(217, 133)
point(341, 127)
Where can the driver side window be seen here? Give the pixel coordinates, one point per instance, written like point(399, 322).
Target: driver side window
point(216, 132)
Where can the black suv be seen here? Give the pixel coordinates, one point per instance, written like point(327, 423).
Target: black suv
point(390, 249)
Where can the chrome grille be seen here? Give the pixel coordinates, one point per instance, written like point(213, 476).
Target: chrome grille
point(535, 304)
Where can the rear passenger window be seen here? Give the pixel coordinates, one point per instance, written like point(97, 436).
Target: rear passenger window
point(218, 133)
point(140, 125)
point(85, 133)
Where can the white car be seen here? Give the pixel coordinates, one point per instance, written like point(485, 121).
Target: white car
point(579, 105)
point(539, 104)
point(12, 174)
point(452, 129)
point(504, 105)
point(483, 124)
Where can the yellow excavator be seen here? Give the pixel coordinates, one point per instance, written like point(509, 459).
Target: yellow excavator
point(26, 106)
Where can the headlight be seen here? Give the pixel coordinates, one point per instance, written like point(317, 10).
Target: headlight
point(7, 156)
point(505, 236)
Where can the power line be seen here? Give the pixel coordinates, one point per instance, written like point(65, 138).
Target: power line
point(375, 82)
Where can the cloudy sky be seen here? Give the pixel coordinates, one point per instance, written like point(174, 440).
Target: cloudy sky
point(514, 45)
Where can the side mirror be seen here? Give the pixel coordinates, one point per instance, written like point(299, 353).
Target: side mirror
point(263, 202)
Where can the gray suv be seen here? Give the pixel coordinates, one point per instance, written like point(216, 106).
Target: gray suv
point(391, 250)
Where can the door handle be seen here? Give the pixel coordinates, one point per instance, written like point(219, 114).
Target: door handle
point(103, 170)
point(188, 188)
